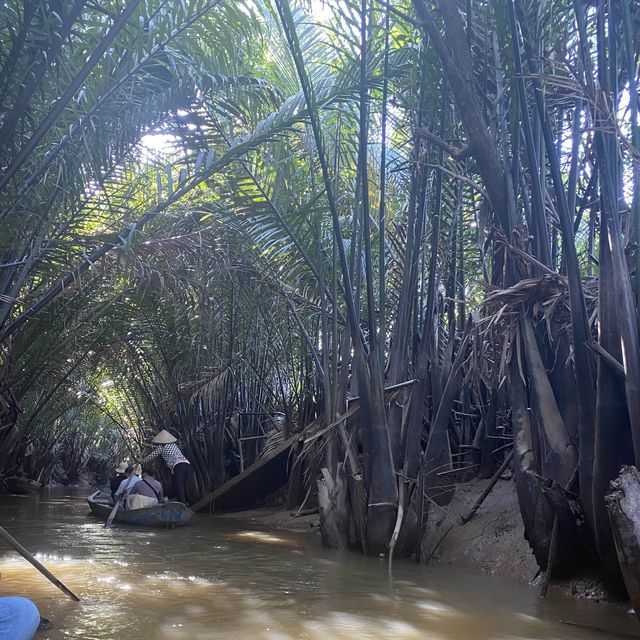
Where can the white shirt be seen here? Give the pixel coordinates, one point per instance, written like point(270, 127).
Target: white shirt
point(128, 483)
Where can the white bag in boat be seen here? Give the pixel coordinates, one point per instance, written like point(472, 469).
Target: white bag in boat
point(137, 501)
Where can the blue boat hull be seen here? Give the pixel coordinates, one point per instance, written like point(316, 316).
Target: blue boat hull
point(167, 514)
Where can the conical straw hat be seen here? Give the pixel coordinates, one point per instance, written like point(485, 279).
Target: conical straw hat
point(137, 470)
point(121, 468)
point(164, 437)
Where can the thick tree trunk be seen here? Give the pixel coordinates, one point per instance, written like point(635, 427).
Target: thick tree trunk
point(562, 378)
point(558, 455)
point(456, 59)
point(379, 476)
point(623, 504)
point(613, 445)
point(536, 512)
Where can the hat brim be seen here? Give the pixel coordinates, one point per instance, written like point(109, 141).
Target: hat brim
point(164, 437)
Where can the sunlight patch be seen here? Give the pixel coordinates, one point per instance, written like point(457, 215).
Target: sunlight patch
point(261, 536)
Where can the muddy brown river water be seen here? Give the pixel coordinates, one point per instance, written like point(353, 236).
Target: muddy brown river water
point(229, 578)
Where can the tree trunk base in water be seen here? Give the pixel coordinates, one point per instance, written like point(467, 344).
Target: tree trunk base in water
point(541, 501)
point(381, 520)
point(334, 509)
point(623, 505)
point(358, 501)
point(536, 513)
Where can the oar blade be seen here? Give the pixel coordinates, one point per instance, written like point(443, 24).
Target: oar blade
point(112, 515)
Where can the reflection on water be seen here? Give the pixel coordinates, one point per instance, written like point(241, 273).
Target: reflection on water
point(228, 579)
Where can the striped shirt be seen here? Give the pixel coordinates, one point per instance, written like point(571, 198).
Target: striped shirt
point(170, 453)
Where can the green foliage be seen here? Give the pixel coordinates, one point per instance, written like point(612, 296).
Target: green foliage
point(176, 250)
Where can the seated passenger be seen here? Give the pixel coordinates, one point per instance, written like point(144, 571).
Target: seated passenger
point(145, 493)
point(128, 483)
point(19, 619)
point(119, 476)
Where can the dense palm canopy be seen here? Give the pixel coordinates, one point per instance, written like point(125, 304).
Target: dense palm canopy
point(230, 217)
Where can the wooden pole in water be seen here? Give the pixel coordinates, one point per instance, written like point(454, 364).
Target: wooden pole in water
point(38, 565)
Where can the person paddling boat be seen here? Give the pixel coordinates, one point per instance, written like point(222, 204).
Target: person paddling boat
point(119, 476)
point(176, 461)
point(120, 499)
point(129, 482)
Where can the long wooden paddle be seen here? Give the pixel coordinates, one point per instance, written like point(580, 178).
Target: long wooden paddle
point(112, 515)
point(41, 568)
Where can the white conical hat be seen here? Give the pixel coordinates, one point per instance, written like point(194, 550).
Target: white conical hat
point(137, 470)
point(121, 468)
point(164, 437)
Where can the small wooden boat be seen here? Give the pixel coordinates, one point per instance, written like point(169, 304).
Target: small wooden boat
point(166, 514)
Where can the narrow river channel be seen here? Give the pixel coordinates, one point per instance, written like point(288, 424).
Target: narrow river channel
point(226, 578)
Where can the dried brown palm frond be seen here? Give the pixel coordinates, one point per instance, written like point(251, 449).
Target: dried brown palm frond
point(548, 296)
point(313, 460)
point(209, 389)
point(275, 437)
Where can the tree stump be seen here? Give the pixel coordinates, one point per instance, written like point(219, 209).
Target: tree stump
point(334, 509)
point(623, 505)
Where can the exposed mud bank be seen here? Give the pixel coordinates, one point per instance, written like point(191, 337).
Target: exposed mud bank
point(278, 519)
point(493, 540)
